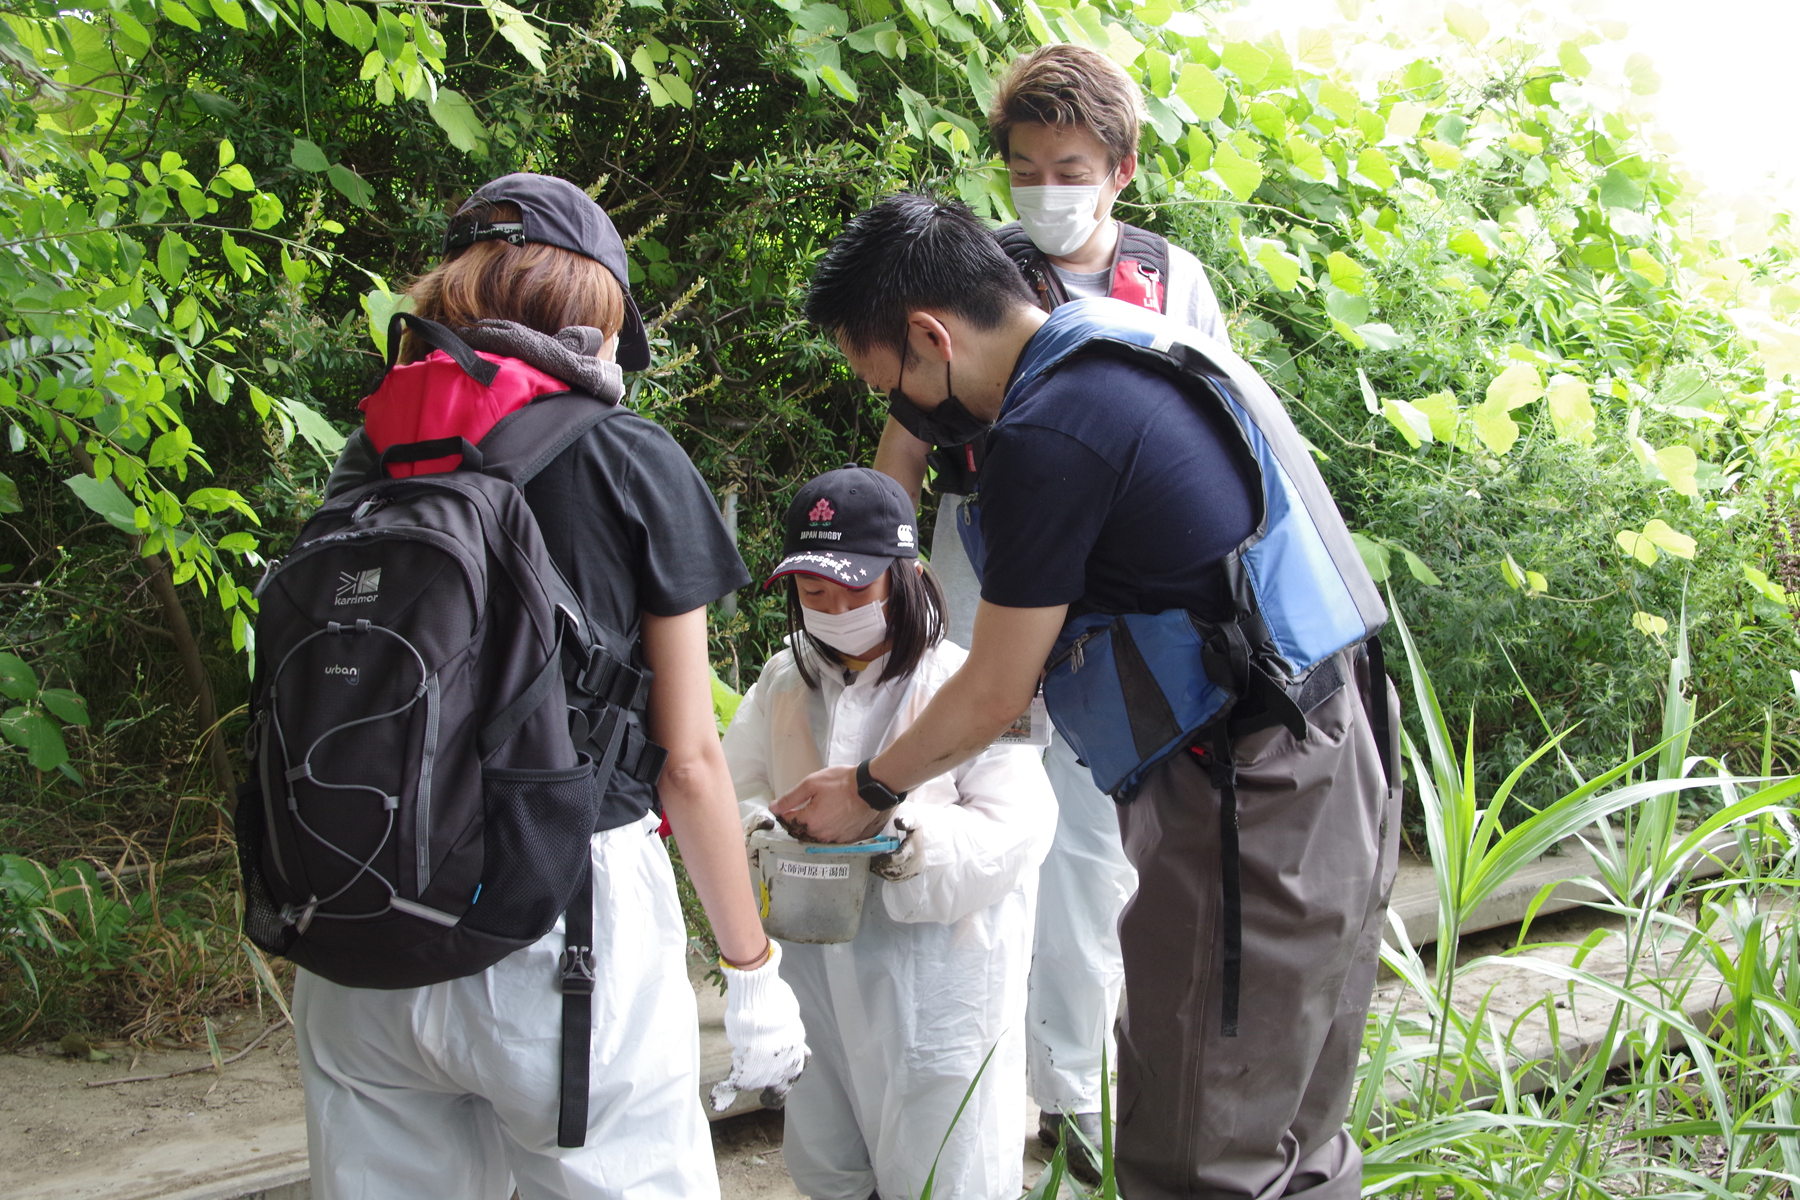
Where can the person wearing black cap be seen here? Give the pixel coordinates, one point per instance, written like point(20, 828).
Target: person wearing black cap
point(451, 1090)
point(901, 1017)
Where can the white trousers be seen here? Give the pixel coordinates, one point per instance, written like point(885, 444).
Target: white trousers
point(1076, 968)
point(899, 1021)
point(451, 1091)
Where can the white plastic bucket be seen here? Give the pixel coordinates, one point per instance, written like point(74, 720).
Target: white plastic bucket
point(811, 891)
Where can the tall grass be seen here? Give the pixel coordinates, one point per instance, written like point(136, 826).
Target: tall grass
point(1659, 1055)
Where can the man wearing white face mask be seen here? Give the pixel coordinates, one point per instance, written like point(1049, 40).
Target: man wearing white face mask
point(1066, 119)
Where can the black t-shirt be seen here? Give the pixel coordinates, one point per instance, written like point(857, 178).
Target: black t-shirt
point(633, 526)
point(1108, 487)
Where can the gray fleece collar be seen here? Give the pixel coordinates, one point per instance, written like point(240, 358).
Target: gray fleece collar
point(569, 356)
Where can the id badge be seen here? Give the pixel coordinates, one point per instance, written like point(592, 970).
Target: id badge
point(1031, 729)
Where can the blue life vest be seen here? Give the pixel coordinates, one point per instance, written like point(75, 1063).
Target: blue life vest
point(1130, 690)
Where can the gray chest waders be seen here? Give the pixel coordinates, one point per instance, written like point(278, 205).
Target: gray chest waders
point(1129, 691)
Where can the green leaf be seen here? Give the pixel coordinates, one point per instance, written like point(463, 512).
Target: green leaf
point(17, 679)
point(1307, 158)
point(1241, 176)
point(725, 702)
point(1573, 61)
point(1496, 430)
point(1201, 90)
point(1571, 411)
point(1404, 119)
point(457, 118)
point(1668, 540)
point(1516, 386)
point(843, 85)
point(1284, 269)
point(265, 211)
point(1637, 546)
point(38, 734)
point(1420, 571)
point(105, 498)
point(679, 91)
point(354, 187)
point(1374, 555)
point(1440, 410)
point(1465, 22)
point(1346, 307)
point(1246, 62)
point(307, 156)
point(1370, 400)
point(1381, 336)
point(519, 33)
point(230, 12)
point(9, 493)
point(1619, 190)
point(172, 256)
point(1413, 425)
point(68, 706)
point(1762, 583)
point(1678, 465)
point(315, 429)
point(1649, 624)
point(1468, 243)
point(1347, 273)
point(1645, 264)
point(180, 14)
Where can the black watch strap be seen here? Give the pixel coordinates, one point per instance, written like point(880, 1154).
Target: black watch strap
point(876, 794)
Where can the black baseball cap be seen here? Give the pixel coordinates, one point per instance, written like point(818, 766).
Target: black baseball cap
point(848, 526)
point(554, 212)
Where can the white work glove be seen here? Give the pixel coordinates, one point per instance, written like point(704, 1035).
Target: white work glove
point(757, 820)
point(905, 860)
point(768, 1041)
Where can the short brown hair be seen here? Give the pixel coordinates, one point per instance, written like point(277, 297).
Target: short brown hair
point(1062, 84)
point(545, 288)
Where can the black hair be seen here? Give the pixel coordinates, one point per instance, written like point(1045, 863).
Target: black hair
point(915, 614)
point(909, 252)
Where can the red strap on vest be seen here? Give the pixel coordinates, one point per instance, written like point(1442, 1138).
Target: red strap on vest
point(1136, 283)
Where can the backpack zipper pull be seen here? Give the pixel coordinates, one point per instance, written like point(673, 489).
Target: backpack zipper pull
point(366, 507)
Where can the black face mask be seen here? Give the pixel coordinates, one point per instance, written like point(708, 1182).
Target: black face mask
point(950, 424)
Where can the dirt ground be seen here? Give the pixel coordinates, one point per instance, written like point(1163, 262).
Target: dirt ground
point(61, 1140)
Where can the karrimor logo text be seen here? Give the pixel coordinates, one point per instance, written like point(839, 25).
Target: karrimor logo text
point(349, 673)
point(358, 587)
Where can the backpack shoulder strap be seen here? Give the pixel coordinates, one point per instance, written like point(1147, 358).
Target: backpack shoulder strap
point(1032, 265)
point(525, 441)
point(1151, 249)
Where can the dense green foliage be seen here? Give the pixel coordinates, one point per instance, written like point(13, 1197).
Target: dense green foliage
point(1547, 381)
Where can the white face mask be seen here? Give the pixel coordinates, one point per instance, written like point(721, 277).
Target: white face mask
point(854, 632)
point(1058, 219)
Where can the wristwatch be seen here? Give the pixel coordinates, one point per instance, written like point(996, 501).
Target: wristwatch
point(876, 794)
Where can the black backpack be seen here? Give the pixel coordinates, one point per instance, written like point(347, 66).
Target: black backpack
point(434, 724)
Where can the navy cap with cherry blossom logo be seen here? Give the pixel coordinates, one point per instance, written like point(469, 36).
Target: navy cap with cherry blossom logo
point(848, 526)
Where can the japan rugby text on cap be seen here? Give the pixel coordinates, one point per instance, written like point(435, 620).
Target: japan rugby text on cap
point(554, 213)
point(848, 526)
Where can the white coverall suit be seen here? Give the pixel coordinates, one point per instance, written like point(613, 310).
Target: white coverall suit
point(1077, 970)
point(451, 1091)
point(901, 1017)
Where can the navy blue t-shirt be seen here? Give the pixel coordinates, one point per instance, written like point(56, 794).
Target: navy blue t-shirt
point(1108, 487)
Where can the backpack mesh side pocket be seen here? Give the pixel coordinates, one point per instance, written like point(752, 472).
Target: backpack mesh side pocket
point(262, 917)
point(536, 829)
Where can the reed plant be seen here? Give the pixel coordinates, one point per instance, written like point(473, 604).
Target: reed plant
point(1656, 1056)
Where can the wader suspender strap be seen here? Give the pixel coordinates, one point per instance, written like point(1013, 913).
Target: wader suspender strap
point(1378, 709)
point(577, 1011)
point(1231, 908)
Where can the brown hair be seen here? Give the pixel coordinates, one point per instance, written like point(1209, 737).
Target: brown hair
point(1061, 84)
point(545, 288)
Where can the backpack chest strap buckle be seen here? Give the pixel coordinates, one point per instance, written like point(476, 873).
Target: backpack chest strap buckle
point(577, 969)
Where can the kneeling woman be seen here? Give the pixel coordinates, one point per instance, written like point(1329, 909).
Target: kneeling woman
point(900, 1018)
